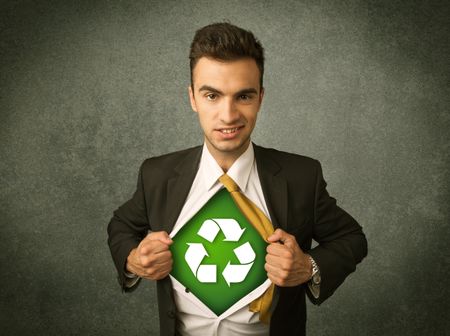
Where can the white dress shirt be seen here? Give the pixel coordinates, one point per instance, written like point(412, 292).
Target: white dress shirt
point(194, 318)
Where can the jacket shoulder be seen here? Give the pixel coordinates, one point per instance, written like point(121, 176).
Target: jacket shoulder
point(288, 160)
point(171, 160)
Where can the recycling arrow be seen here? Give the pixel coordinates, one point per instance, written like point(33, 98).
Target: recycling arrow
point(209, 230)
point(194, 256)
point(238, 273)
point(235, 273)
point(230, 228)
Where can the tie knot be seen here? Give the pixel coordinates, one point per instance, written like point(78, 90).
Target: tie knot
point(228, 183)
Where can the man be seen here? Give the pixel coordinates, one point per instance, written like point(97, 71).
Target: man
point(226, 91)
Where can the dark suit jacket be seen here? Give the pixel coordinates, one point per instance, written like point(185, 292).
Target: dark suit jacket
point(297, 200)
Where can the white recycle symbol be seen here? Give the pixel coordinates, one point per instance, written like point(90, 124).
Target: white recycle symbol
point(232, 232)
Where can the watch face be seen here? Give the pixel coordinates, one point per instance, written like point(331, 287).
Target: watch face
point(316, 279)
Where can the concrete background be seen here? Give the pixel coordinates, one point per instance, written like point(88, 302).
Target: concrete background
point(88, 89)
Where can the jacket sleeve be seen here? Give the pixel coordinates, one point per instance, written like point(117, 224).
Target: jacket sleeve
point(341, 241)
point(128, 226)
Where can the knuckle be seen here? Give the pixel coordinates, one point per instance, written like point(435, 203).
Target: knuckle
point(151, 260)
point(145, 262)
point(152, 235)
point(157, 275)
point(166, 257)
point(162, 246)
point(150, 272)
point(288, 254)
point(284, 275)
point(281, 282)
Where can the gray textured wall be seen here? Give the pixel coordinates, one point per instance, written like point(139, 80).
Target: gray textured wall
point(89, 89)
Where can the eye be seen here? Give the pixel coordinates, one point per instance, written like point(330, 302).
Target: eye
point(245, 97)
point(211, 96)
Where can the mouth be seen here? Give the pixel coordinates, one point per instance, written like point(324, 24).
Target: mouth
point(230, 130)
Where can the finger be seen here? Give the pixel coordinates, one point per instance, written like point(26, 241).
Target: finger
point(278, 236)
point(282, 264)
point(280, 282)
point(278, 262)
point(276, 271)
point(285, 278)
point(162, 236)
point(279, 250)
point(162, 274)
point(276, 280)
point(156, 273)
point(282, 237)
point(152, 247)
point(164, 266)
point(154, 260)
point(151, 267)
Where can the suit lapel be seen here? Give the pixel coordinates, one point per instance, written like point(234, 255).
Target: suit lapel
point(274, 187)
point(179, 185)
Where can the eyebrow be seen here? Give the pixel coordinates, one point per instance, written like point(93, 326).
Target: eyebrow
point(209, 88)
point(214, 90)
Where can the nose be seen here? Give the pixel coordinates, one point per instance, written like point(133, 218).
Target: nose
point(229, 113)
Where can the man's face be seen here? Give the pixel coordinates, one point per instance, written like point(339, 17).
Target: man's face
point(227, 97)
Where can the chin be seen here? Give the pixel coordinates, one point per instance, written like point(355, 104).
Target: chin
point(229, 147)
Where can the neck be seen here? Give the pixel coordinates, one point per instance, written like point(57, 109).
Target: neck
point(226, 159)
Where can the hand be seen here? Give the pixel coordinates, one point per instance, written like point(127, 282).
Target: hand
point(286, 264)
point(152, 259)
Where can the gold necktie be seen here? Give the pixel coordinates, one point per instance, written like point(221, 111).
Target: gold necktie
point(265, 228)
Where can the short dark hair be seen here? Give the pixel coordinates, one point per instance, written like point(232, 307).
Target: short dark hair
point(226, 42)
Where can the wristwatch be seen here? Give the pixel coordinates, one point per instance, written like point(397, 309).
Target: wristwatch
point(315, 277)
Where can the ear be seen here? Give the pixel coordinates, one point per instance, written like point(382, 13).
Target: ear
point(192, 98)
point(261, 95)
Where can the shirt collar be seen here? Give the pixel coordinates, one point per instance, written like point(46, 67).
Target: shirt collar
point(210, 170)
